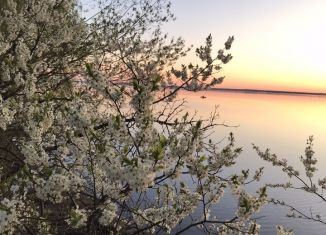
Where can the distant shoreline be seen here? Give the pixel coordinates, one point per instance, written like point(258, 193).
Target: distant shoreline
point(275, 92)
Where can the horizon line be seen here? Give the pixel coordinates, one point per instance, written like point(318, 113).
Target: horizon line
point(261, 91)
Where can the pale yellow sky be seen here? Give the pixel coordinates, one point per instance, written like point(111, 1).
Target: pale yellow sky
point(280, 44)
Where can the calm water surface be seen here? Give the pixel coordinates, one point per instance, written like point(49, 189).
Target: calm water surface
point(281, 123)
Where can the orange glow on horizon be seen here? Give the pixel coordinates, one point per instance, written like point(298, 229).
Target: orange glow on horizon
point(279, 49)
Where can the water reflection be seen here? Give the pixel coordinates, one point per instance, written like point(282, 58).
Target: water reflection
point(281, 123)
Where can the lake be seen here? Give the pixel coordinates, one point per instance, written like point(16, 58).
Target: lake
point(279, 122)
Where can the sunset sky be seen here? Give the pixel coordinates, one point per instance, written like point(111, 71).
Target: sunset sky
point(279, 44)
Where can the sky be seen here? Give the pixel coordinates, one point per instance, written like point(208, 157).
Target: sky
point(279, 44)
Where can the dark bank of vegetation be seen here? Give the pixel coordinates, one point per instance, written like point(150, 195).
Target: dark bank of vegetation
point(272, 92)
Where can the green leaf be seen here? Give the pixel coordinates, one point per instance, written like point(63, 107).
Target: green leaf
point(89, 69)
point(75, 218)
point(126, 161)
point(202, 158)
point(125, 149)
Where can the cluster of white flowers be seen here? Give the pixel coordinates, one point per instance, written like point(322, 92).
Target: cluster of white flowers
point(108, 213)
point(6, 112)
point(55, 186)
point(308, 161)
point(169, 216)
point(9, 212)
point(78, 218)
point(249, 204)
point(254, 228)
point(322, 183)
point(282, 231)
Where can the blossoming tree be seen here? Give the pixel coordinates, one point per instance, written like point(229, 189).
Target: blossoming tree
point(308, 183)
point(93, 137)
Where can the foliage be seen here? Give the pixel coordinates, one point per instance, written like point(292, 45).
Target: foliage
point(93, 139)
point(306, 182)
